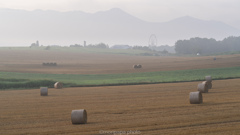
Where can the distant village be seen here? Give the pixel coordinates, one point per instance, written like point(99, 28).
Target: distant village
point(193, 46)
point(163, 49)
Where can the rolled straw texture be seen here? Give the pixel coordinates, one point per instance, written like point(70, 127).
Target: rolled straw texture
point(195, 97)
point(139, 66)
point(203, 87)
point(209, 85)
point(44, 91)
point(79, 116)
point(208, 78)
point(58, 85)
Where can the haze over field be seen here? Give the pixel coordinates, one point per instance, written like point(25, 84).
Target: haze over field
point(115, 22)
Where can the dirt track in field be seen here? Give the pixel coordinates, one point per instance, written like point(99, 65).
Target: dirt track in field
point(85, 63)
point(149, 109)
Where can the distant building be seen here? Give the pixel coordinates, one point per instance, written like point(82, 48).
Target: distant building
point(35, 44)
point(84, 43)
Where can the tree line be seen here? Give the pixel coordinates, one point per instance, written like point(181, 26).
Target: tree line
point(207, 46)
point(99, 45)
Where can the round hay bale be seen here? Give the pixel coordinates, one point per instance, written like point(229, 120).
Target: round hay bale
point(195, 97)
point(139, 66)
point(79, 116)
point(43, 91)
point(58, 85)
point(205, 83)
point(209, 85)
point(208, 78)
point(135, 66)
point(203, 87)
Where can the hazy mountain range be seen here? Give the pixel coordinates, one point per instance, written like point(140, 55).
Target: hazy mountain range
point(21, 28)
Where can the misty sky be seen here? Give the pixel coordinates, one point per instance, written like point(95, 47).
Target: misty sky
point(226, 11)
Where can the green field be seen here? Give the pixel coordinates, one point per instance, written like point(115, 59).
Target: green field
point(9, 80)
point(80, 50)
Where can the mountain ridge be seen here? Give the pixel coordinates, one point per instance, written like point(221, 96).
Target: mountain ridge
point(114, 26)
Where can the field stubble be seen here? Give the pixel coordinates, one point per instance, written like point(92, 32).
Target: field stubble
point(151, 109)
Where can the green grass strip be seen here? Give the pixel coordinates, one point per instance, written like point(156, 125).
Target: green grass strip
point(121, 79)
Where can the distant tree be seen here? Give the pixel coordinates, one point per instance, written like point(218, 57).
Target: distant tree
point(231, 43)
point(207, 46)
point(165, 51)
point(142, 48)
point(47, 48)
point(100, 45)
point(76, 45)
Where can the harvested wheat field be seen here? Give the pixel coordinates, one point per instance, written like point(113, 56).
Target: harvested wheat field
point(72, 62)
point(143, 109)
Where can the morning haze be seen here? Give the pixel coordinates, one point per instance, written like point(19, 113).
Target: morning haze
point(119, 67)
point(114, 26)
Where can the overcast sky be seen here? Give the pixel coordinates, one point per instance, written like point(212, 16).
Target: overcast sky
point(226, 11)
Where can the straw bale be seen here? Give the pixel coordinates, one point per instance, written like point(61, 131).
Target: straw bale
point(43, 91)
point(79, 116)
point(208, 78)
point(139, 66)
point(209, 85)
point(58, 85)
point(195, 97)
point(135, 66)
point(203, 87)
